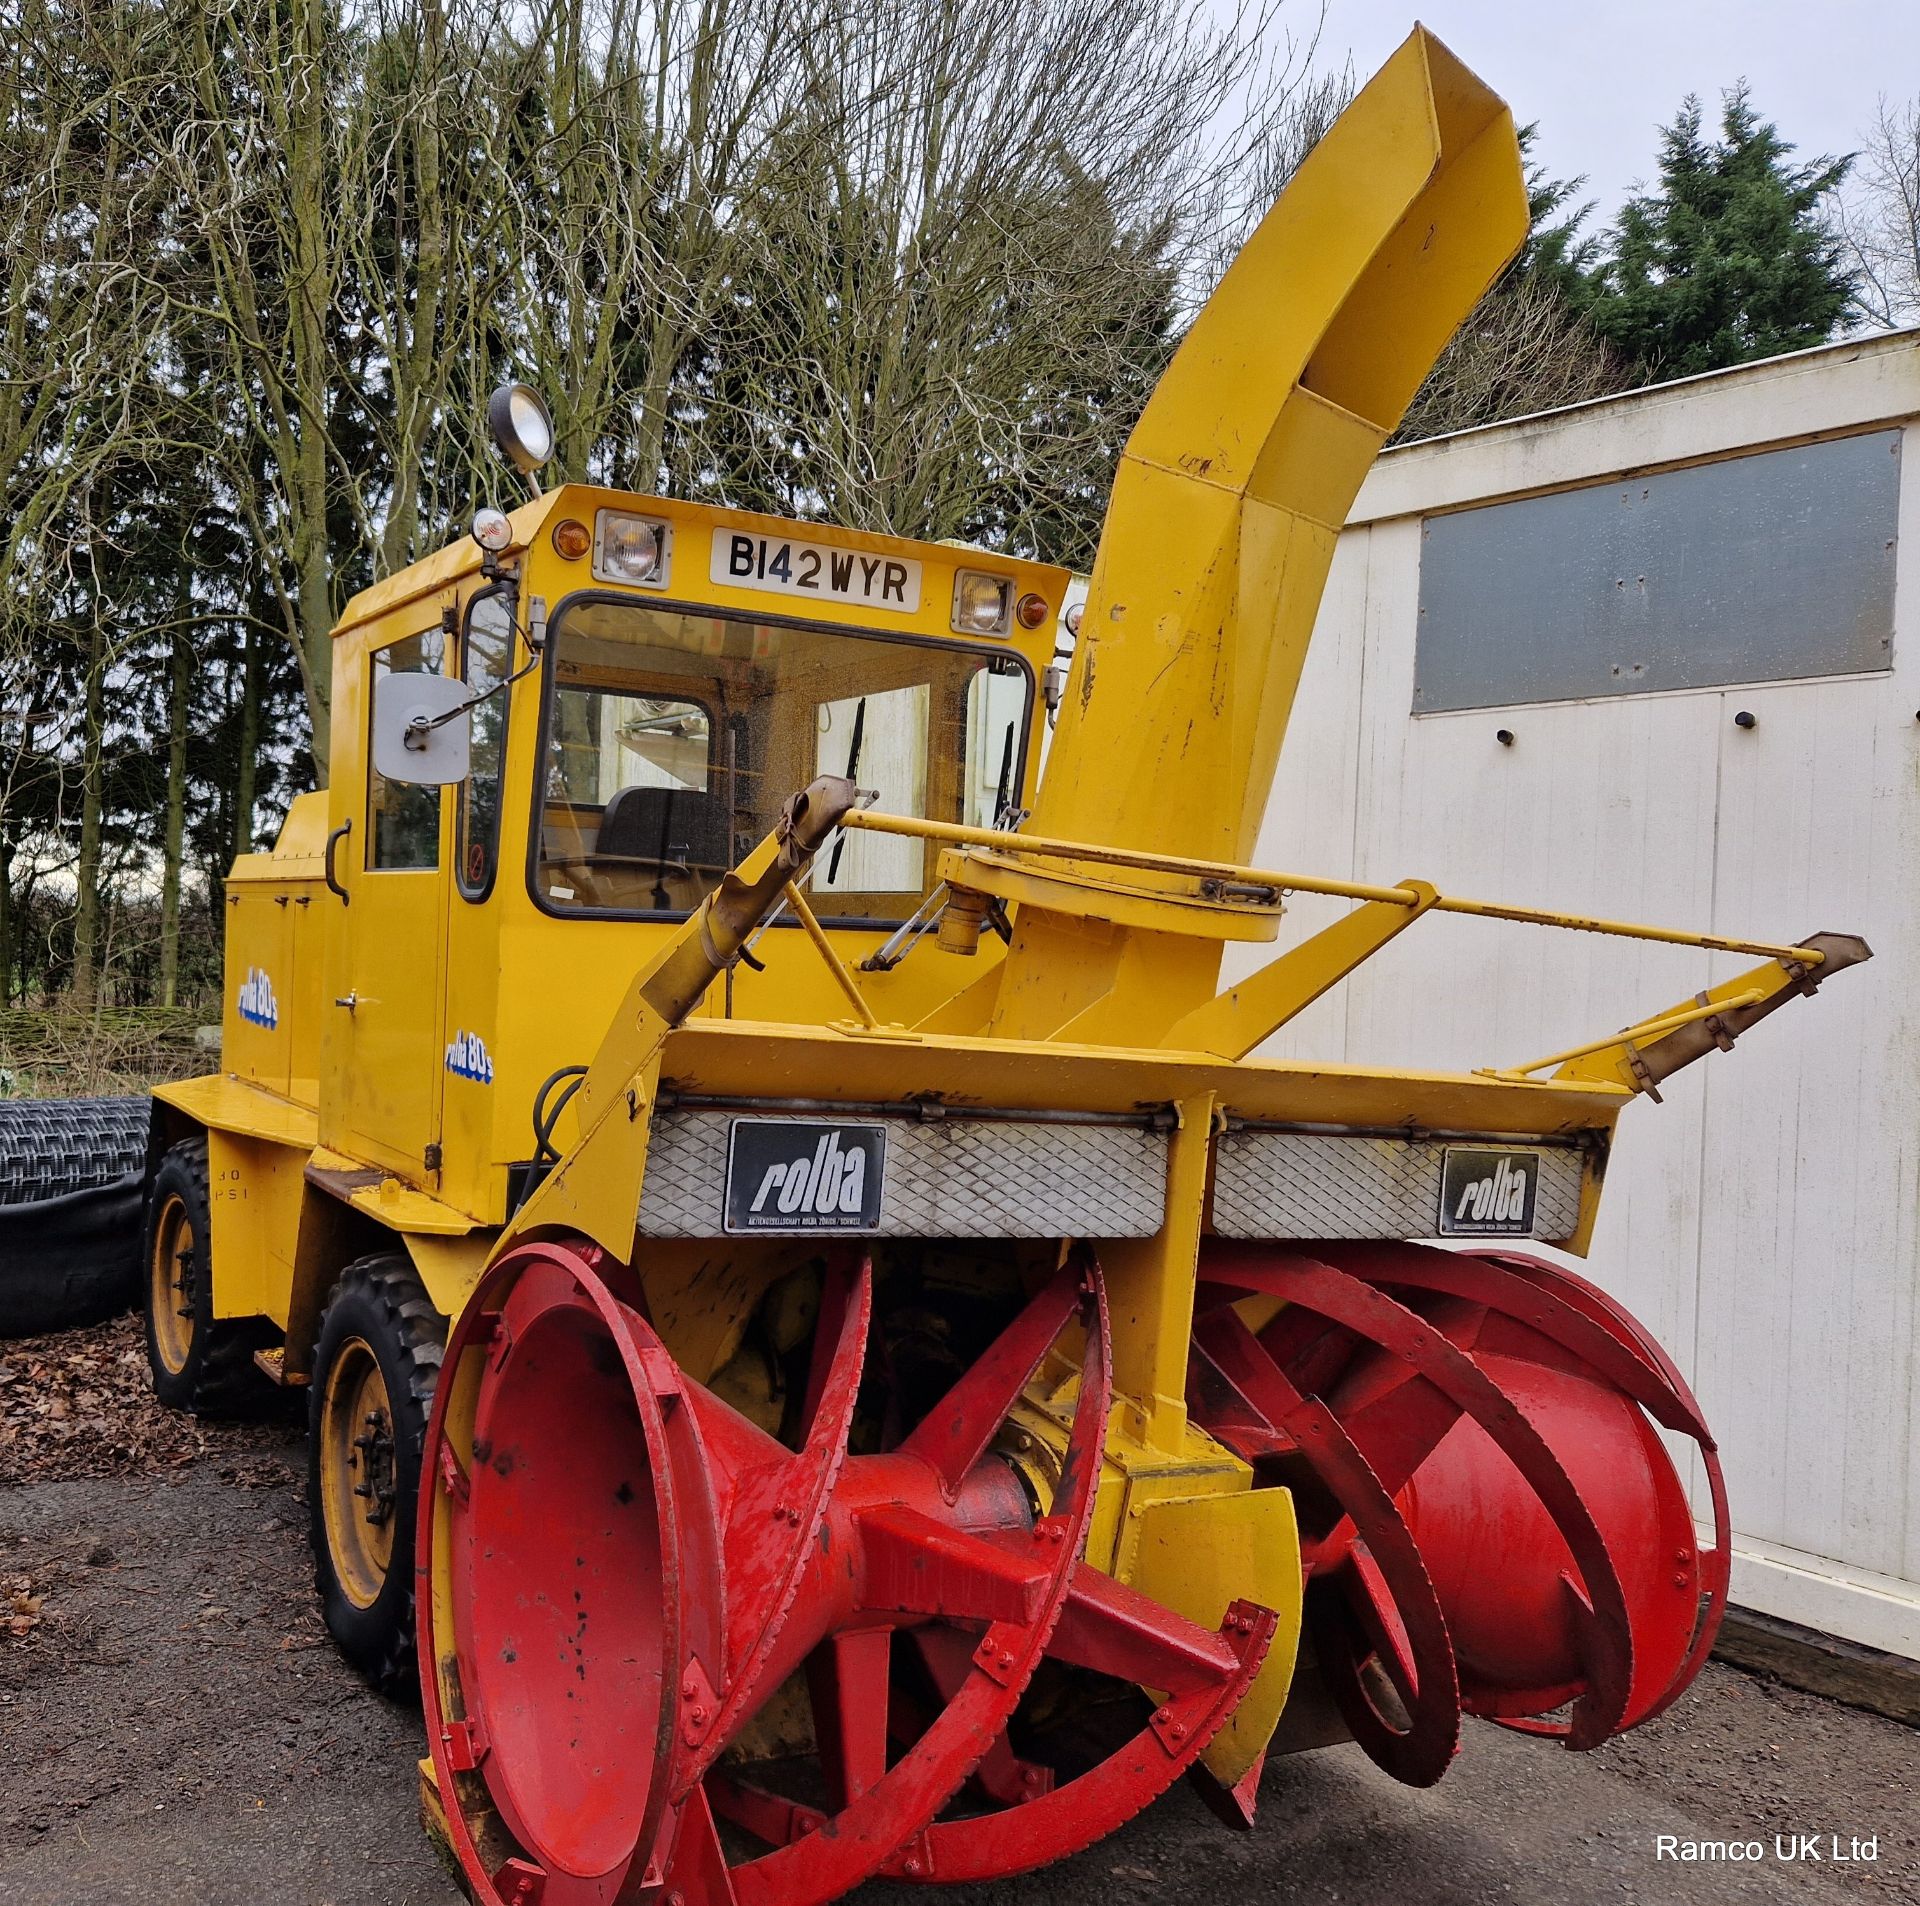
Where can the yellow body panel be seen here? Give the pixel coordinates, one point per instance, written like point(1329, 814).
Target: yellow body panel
point(339, 1011)
point(1198, 1554)
point(270, 1022)
point(224, 1103)
point(255, 1187)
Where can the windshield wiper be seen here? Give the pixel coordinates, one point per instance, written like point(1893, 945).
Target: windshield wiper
point(853, 765)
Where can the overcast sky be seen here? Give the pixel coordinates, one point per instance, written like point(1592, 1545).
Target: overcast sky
point(1601, 75)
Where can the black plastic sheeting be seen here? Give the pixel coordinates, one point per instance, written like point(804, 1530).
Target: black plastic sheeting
point(72, 1182)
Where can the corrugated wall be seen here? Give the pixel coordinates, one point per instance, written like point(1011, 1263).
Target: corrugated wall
point(1764, 1221)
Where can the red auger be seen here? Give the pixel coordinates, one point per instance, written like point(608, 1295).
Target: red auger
point(1488, 1519)
point(631, 1570)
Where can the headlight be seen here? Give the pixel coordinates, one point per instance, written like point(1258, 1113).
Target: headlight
point(491, 531)
point(981, 603)
point(520, 426)
point(630, 548)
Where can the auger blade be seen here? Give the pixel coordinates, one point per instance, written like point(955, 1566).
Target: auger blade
point(534, 1523)
point(828, 1856)
point(955, 1433)
point(1716, 1563)
point(1115, 1630)
point(779, 1505)
point(848, 1678)
point(1500, 1530)
point(1062, 1820)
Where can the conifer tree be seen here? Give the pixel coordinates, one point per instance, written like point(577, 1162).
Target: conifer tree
point(1730, 258)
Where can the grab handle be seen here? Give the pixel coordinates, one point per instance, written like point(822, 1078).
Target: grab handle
point(333, 840)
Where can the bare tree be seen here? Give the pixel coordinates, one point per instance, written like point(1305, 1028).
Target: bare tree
point(250, 166)
point(86, 412)
point(1522, 349)
point(913, 265)
point(971, 250)
point(1876, 214)
point(625, 226)
point(430, 151)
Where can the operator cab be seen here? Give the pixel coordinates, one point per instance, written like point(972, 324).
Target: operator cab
point(551, 742)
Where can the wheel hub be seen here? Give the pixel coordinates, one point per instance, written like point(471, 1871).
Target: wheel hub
point(358, 1471)
point(374, 1460)
point(172, 1275)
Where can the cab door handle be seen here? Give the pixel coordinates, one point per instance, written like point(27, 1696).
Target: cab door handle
point(333, 883)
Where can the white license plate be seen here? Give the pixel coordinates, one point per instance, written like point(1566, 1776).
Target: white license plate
point(788, 568)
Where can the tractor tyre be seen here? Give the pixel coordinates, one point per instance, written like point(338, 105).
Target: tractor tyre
point(199, 1362)
point(72, 1188)
point(375, 1364)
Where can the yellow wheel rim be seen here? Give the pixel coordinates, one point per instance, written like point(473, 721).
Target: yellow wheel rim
point(170, 1286)
point(358, 1472)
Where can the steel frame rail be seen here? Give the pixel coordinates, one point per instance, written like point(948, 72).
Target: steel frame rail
point(1263, 882)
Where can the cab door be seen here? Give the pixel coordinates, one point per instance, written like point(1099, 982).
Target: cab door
point(384, 1017)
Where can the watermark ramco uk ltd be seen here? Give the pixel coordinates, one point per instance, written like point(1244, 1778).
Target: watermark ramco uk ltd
point(1826, 1849)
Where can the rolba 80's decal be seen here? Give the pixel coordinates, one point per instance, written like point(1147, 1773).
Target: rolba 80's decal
point(468, 1058)
point(256, 1003)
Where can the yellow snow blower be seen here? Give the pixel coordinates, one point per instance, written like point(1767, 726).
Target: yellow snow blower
point(823, 1339)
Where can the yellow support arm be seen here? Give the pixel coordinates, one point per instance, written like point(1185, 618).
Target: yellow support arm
point(1657, 1048)
point(1234, 1023)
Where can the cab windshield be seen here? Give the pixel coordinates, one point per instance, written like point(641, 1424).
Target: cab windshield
point(671, 737)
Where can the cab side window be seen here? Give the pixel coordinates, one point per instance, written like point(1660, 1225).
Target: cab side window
point(403, 822)
point(486, 661)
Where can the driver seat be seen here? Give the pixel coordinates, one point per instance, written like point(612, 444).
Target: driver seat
point(655, 824)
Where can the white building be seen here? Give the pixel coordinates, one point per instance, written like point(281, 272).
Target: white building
point(1658, 657)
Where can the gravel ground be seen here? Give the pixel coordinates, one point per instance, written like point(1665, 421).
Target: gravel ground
point(176, 1731)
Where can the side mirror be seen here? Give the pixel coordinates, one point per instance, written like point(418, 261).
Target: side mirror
point(413, 740)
